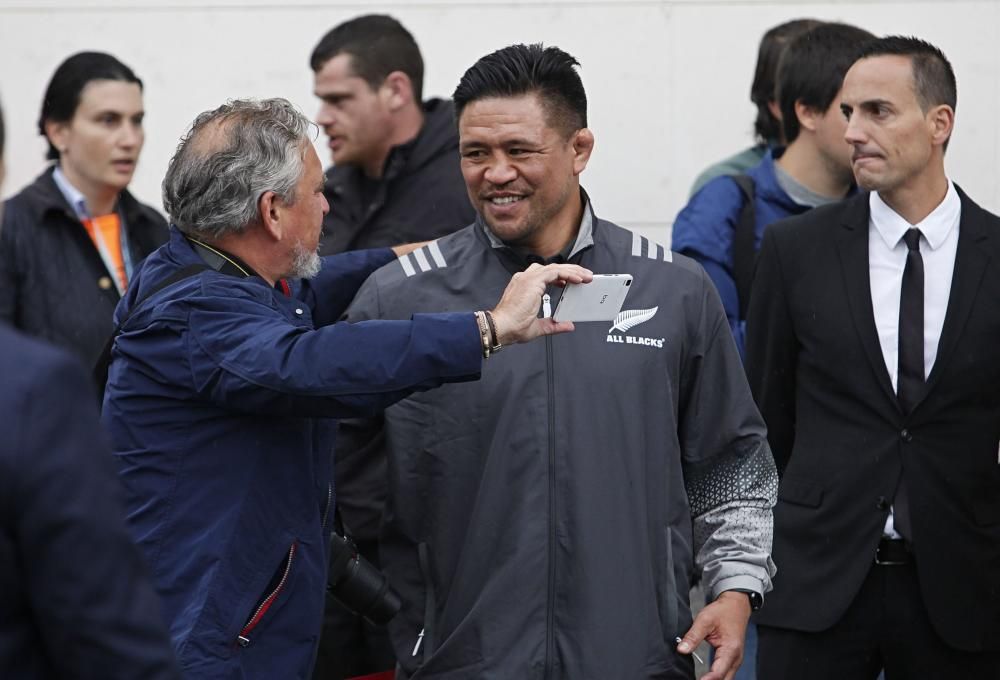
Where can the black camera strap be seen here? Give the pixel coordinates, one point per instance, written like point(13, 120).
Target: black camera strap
point(339, 559)
point(100, 372)
point(210, 259)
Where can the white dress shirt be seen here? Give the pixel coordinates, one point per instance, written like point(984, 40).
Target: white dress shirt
point(886, 261)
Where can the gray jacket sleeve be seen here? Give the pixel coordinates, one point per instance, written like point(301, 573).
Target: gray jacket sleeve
point(729, 472)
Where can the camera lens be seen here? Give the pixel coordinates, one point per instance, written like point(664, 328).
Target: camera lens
point(358, 585)
point(628, 282)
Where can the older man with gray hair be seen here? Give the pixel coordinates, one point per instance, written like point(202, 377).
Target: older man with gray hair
point(227, 370)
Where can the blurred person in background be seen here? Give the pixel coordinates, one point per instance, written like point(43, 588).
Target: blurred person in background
point(395, 179)
point(78, 603)
point(767, 125)
point(73, 237)
point(813, 170)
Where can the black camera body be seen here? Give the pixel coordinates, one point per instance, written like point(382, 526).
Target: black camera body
point(359, 586)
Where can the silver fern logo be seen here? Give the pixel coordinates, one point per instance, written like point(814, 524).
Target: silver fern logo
point(629, 319)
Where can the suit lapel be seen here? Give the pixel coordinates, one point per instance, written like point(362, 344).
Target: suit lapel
point(971, 259)
point(852, 249)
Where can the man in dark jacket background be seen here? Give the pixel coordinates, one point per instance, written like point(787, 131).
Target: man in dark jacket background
point(395, 179)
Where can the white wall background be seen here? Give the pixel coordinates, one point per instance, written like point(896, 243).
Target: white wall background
point(668, 81)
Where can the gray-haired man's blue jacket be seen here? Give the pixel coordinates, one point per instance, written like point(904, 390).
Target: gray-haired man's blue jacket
point(219, 404)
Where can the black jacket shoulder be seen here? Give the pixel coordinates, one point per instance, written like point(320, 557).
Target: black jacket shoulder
point(421, 195)
point(53, 282)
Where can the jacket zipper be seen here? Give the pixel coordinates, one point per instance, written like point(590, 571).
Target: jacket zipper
point(243, 638)
point(326, 510)
point(420, 638)
point(426, 635)
point(550, 601)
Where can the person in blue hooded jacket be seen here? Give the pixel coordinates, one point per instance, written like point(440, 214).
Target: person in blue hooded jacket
point(813, 170)
point(228, 370)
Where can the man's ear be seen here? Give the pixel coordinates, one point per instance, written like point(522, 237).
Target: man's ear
point(397, 90)
point(269, 205)
point(57, 134)
point(583, 146)
point(941, 122)
point(807, 116)
point(775, 108)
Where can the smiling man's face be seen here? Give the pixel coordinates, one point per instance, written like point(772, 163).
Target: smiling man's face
point(520, 171)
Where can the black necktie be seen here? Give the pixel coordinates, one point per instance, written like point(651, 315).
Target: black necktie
point(910, 377)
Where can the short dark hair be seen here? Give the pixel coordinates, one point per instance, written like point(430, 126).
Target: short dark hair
point(62, 96)
point(528, 69)
point(378, 45)
point(767, 126)
point(812, 70)
point(933, 77)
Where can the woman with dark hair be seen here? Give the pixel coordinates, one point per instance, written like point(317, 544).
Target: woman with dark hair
point(71, 239)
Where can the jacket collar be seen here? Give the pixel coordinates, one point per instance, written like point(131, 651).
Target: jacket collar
point(516, 260)
point(43, 196)
point(971, 260)
point(935, 227)
point(73, 196)
point(221, 260)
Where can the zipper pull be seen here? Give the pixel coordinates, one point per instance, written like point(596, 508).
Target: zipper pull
point(416, 647)
point(546, 306)
point(242, 641)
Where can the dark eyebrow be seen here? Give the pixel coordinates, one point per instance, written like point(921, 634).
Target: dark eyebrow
point(875, 103)
point(334, 97)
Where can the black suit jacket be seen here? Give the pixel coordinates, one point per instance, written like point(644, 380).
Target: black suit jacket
point(77, 598)
point(841, 440)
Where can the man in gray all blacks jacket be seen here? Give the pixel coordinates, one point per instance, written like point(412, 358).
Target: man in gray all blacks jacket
point(546, 522)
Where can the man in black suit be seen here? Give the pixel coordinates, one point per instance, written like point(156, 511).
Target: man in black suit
point(872, 350)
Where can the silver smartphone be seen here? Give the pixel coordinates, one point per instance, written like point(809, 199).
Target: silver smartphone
point(599, 300)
